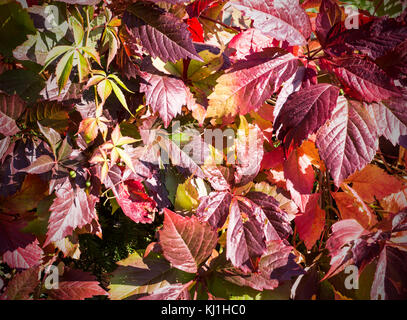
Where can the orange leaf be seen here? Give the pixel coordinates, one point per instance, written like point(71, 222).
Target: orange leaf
point(374, 182)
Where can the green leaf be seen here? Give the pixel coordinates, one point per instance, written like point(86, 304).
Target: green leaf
point(55, 53)
point(119, 94)
point(119, 82)
point(15, 25)
point(25, 83)
point(64, 68)
point(78, 31)
point(92, 53)
point(104, 89)
point(83, 66)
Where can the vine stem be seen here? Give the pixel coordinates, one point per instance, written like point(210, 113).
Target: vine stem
point(221, 23)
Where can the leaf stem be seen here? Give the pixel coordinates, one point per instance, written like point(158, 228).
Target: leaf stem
point(221, 23)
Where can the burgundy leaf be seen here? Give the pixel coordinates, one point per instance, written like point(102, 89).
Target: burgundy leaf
point(162, 34)
point(284, 20)
point(71, 209)
point(304, 112)
point(364, 80)
point(8, 125)
point(376, 38)
point(76, 285)
point(270, 206)
point(214, 208)
point(348, 141)
point(24, 257)
point(329, 15)
point(186, 242)
point(249, 154)
point(195, 8)
point(390, 280)
point(165, 95)
point(245, 241)
point(12, 106)
point(250, 82)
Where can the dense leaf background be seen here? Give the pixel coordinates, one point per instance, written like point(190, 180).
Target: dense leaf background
point(107, 171)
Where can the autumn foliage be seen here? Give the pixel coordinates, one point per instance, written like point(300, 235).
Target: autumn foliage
point(105, 107)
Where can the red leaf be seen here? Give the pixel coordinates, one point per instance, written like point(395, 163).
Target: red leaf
point(196, 30)
point(284, 20)
point(22, 285)
point(373, 182)
point(41, 165)
point(71, 209)
point(250, 82)
point(248, 232)
point(186, 242)
point(76, 285)
point(304, 112)
point(195, 8)
point(343, 233)
point(351, 206)
point(348, 141)
point(300, 176)
point(135, 202)
point(248, 42)
point(162, 34)
point(214, 208)
point(24, 257)
point(177, 291)
point(311, 222)
point(166, 95)
point(391, 118)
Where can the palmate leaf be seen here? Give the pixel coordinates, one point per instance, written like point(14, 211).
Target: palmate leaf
point(283, 20)
point(186, 242)
point(348, 141)
point(162, 34)
point(250, 82)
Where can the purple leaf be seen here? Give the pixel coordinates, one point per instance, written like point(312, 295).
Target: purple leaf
point(162, 34)
point(364, 80)
point(304, 112)
point(390, 280)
